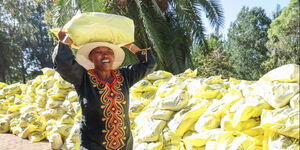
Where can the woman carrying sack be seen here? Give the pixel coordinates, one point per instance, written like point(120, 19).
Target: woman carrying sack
point(103, 89)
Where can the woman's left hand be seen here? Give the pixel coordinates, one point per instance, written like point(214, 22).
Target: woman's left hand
point(132, 47)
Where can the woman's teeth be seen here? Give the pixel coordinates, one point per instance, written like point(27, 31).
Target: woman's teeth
point(105, 61)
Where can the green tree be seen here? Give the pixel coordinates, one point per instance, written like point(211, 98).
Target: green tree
point(212, 59)
point(28, 47)
point(172, 27)
point(247, 37)
point(284, 40)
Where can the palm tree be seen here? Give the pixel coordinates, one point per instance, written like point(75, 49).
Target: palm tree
point(172, 27)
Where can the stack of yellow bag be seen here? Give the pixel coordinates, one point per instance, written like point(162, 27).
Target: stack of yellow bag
point(43, 108)
point(190, 112)
point(167, 111)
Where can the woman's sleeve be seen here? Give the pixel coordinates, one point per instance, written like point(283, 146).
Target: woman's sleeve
point(66, 65)
point(136, 72)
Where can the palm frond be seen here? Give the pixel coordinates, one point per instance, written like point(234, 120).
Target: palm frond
point(157, 9)
point(91, 5)
point(189, 18)
point(62, 12)
point(157, 31)
point(214, 12)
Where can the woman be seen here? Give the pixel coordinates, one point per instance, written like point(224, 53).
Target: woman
point(103, 89)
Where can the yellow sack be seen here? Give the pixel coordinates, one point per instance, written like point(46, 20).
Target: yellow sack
point(41, 101)
point(149, 145)
point(211, 145)
point(151, 130)
point(36, 82)
point(53, 104)
point(57, 94)
point(254, 132)
point(185, 119)
point(228, 124)
point(170, 141)
point(24, 134)
point(2, 85)
point(206, 122)
point(157, 83)
point(200, 139)
point(64, 130)
point(47, 83)
point(77, 117)
point(95, 27)
point(139, 103)
point(37, 136)
point(170, 87)
point(194, 86)
point(282, 120)
point(295, 101)
point(285, 73)
point(48, 71)
point(160, 74)
point(51, 124)
point(176, 101)
point(142, 86)
point(275, 93)
point(2, 94)
point(56, 141)
point(4, 125)
point(188, 74)
point(72, 96)
point(241, 142)
point(28, 118)
point(41, 92)
point(276, 141)
point(67, 106)
point(40, 124)
point(221, 141)
point(28, 109)
point(140, 119)
point(66, 119)
point(209, 94)
point(214, 80)
point(73, 141)
point(212, 116)
point(49, 113)
point(246, 108)
point(11, 90)
point(62, 84)
point(162, 115)
point(76, 107)
point(16, 130)
point(15, 108)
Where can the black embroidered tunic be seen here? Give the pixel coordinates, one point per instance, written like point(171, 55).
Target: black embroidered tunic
point(105, 122)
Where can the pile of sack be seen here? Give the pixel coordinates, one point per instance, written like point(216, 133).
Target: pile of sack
point(177, 112)
point(167, 111)
point(46, 107)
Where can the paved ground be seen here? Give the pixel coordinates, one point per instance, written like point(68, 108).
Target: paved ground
point(12, 142)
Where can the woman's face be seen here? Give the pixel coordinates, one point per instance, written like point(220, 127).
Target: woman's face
point(103, 58)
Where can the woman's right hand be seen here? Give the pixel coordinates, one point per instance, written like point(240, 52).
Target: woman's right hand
point(64, 38)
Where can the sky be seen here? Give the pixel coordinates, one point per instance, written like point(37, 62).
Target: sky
point(232, 7)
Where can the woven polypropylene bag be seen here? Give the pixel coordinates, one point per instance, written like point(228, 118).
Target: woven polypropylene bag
point(99, 27)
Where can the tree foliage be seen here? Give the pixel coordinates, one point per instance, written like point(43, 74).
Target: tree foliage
point(213, 59)
point(26, 46)
point(284, 40)
point(247, 37)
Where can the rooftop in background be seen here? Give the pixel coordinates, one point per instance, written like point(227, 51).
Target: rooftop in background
point(233, 7)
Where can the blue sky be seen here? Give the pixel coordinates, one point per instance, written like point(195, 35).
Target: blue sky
point(232, 7)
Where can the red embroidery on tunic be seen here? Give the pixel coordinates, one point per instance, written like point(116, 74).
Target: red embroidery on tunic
point(111, 99)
